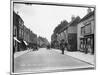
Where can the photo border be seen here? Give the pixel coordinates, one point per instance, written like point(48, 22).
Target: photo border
point(52, 4)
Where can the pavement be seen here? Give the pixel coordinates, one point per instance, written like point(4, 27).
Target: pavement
point(81, 56)
point(45, 60)
point(17, 54)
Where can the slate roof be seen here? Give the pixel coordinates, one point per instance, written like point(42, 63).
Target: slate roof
point(87, 16)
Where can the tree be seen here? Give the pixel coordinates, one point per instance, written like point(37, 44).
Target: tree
point(61, 25)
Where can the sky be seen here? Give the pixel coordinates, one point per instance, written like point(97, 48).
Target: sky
point(42, 19)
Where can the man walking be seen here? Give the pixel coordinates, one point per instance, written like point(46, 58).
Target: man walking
point(62, 46)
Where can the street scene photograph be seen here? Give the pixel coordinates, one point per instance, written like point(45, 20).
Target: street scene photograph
point(51, 37)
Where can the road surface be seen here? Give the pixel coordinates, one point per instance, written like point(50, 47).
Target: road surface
point(44, 60)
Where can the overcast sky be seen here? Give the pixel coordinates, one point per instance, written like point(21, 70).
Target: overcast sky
point(42, 19)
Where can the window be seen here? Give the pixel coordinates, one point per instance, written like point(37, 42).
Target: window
point(88, 29)
point(19, 32)
point(82, 30)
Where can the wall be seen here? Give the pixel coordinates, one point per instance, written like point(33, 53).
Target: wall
point(79, 34)
point(72, 29)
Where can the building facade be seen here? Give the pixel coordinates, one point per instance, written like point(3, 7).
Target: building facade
point(15, 32)
point(33, 37)
point(86, 29)
point(23, 37)
point(18, 32)
point(72, 34)
point(26, 34)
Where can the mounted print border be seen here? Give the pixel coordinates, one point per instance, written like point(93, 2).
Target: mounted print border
point(70, 46)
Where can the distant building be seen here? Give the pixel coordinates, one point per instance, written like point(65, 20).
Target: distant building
point(85, 37)
point(33, 37)
point(42, 42)
point(30, 38)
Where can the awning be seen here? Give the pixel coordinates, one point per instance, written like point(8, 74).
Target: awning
point(16, 39)
point(25, 43)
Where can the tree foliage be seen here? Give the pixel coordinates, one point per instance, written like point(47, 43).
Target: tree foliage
point(61, 25)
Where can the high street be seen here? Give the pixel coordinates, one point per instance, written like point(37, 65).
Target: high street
point(44, 60)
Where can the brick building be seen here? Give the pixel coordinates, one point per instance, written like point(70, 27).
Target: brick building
point(18, 32)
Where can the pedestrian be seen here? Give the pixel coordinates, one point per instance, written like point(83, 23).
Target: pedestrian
point(62, 46)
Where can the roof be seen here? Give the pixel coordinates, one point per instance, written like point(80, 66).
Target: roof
point(72, 23)
point(16, 16)
point(87, 16)
point(75, 21)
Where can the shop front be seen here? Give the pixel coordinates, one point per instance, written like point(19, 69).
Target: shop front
point(90, 43)
point(87, 44)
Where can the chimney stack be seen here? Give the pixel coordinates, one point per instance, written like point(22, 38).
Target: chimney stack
point(73, 17)
point(89, 10)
